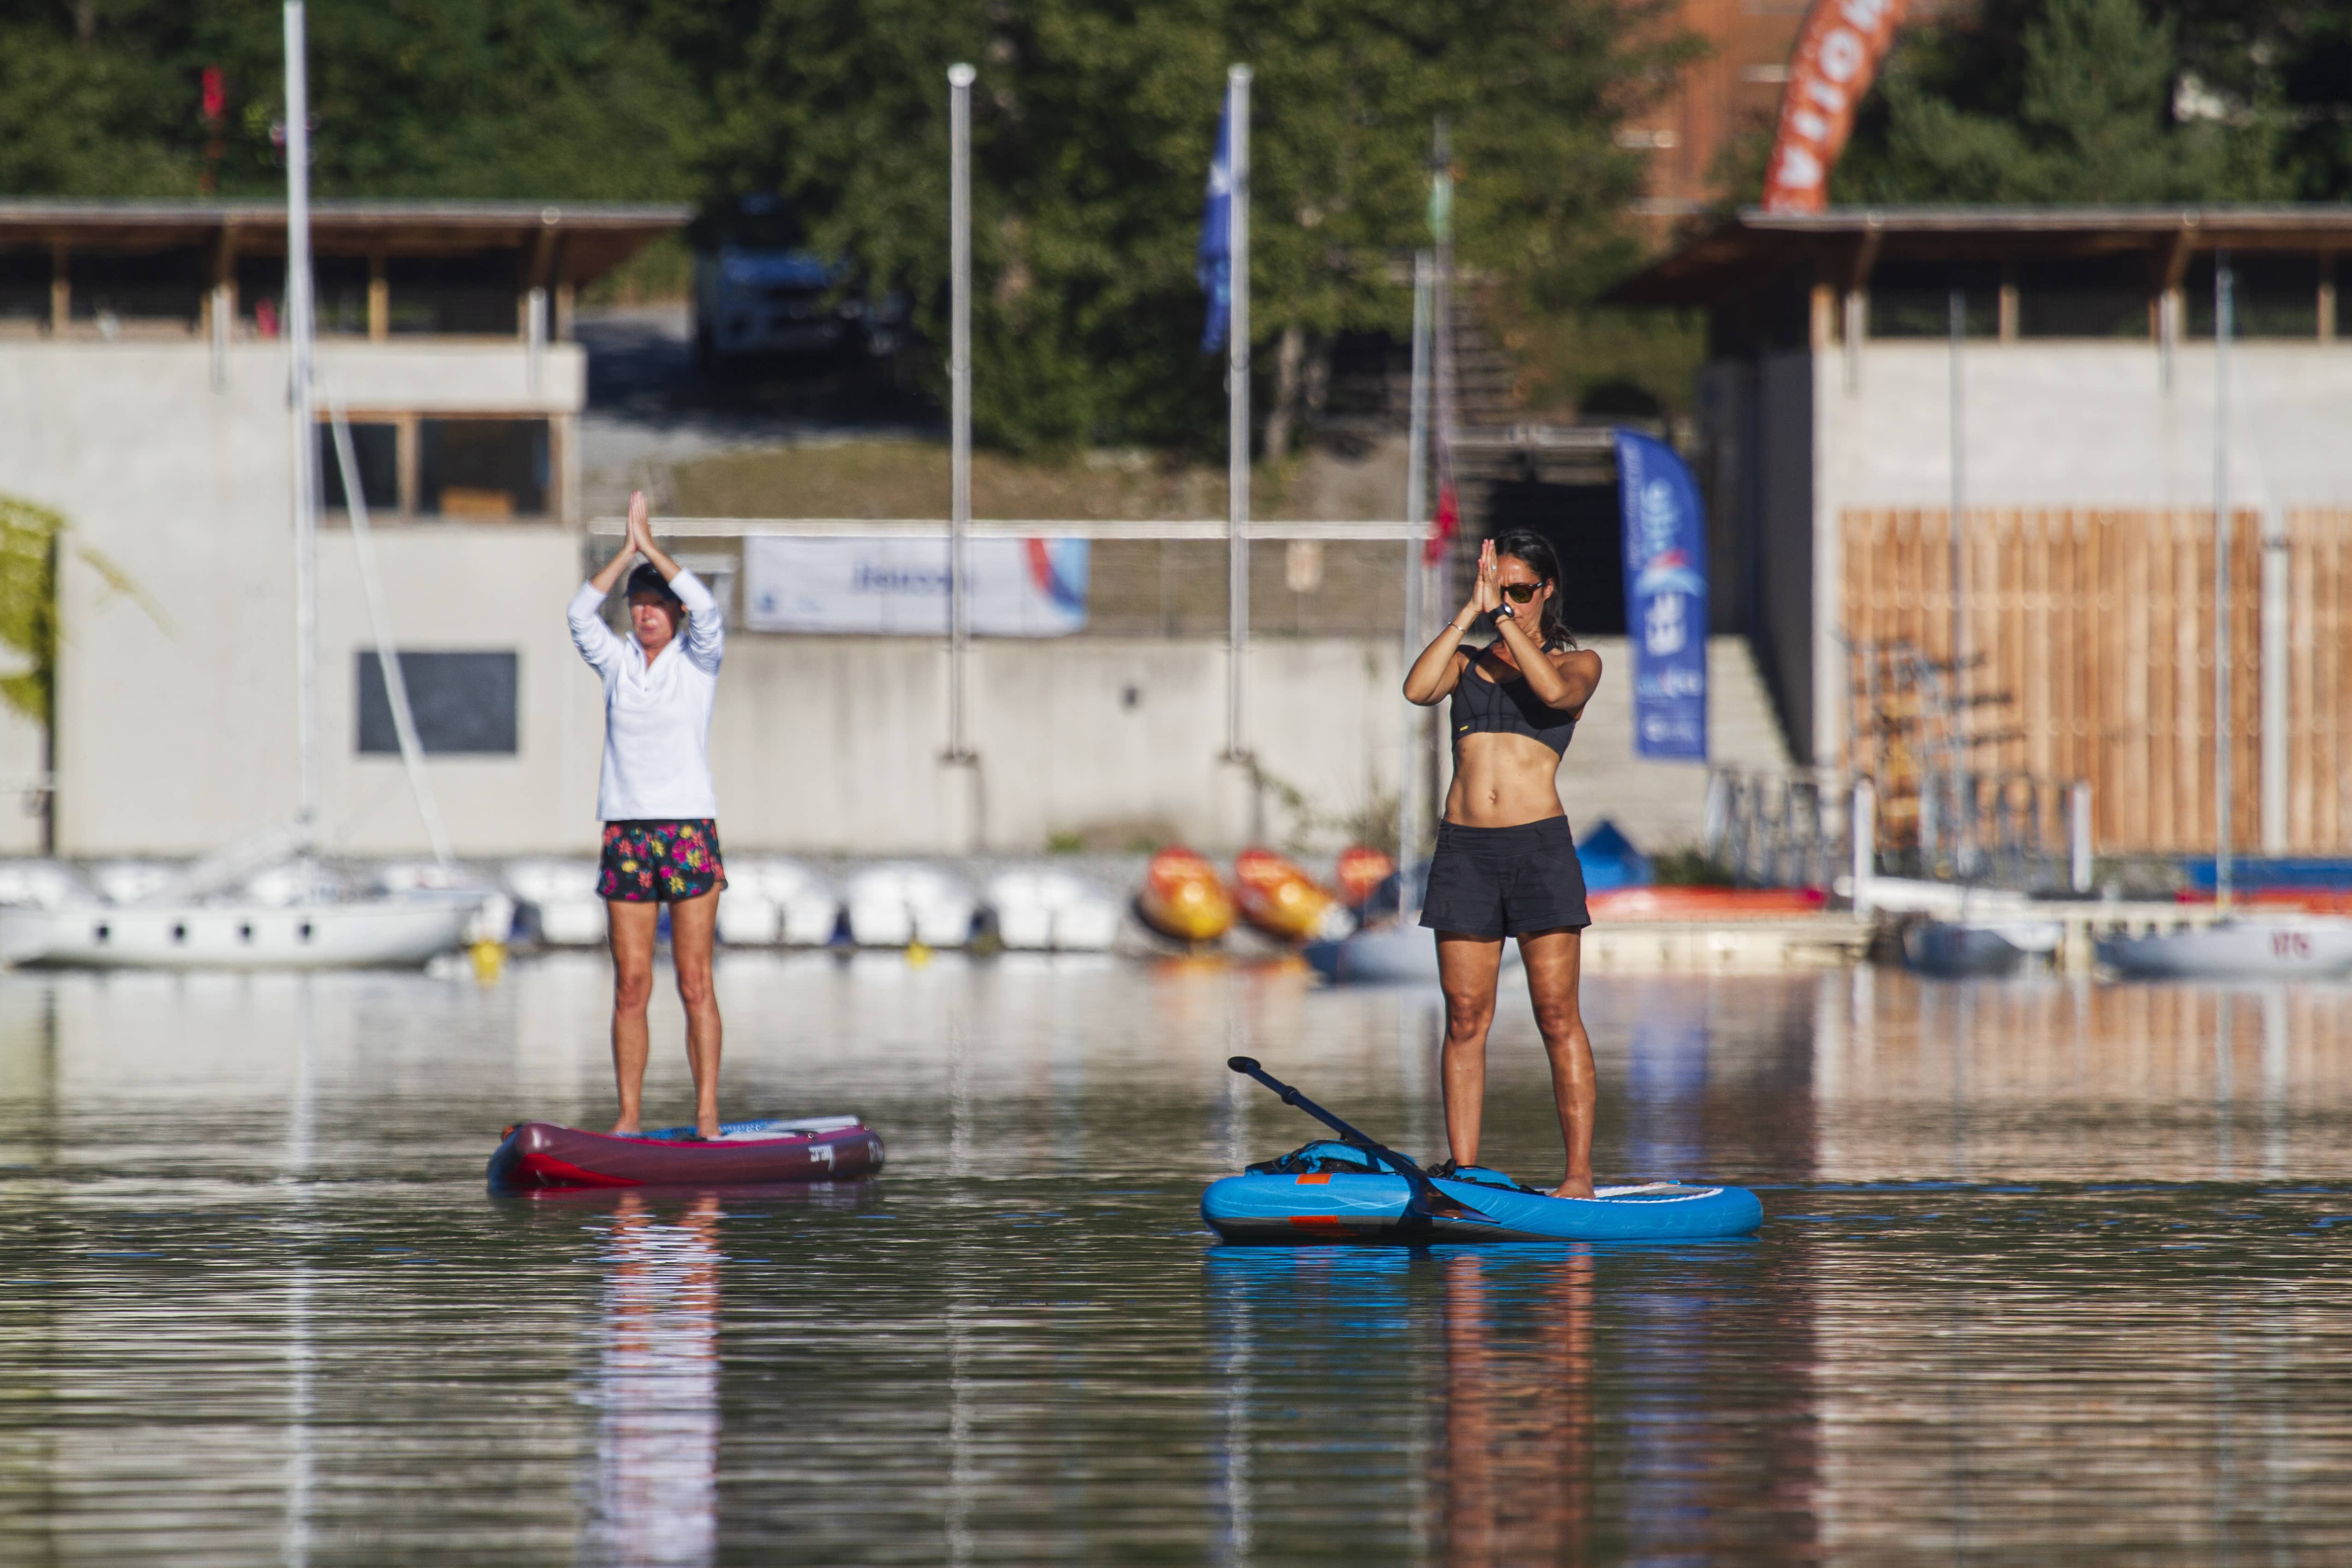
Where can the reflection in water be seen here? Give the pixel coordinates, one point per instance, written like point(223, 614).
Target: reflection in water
point(656, 1484)
point(1518, 1411)
point(301, 1148)
point(2052, 1273)
point(1665, 1086)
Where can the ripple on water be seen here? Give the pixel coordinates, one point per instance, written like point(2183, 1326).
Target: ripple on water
point(2050, 1273)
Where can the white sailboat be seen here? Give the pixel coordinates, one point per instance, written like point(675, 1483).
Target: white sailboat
point(229, 910)
point(2283, 946)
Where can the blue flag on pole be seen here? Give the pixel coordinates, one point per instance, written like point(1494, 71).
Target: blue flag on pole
point(1665, 598)
point(1216, 254)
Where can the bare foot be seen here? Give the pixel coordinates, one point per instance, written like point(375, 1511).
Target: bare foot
point(1574, 1187)
point(707, 1130)
point(625, 1128)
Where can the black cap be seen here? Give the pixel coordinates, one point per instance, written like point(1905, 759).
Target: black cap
point(647, 579)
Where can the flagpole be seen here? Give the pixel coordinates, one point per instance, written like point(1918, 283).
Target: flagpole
point(960, 78)
point(1237, 423)
point(1441, 226)
point(305, 419)
point(1416, 514)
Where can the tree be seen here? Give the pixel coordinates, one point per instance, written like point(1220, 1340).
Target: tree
point(1093, 125)
point(444, 97)
point(2290, 60)
point(2051, 101)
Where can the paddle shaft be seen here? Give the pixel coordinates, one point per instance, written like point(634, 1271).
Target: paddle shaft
point(1426, 1197)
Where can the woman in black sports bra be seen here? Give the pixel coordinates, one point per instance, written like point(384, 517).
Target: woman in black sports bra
point(1505, 863)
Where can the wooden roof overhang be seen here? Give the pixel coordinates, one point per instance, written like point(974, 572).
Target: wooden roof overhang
point(1841, 245)
point(575, 242)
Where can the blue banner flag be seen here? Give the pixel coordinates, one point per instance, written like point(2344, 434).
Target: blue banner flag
point(1665, 598)
point(1216, 254)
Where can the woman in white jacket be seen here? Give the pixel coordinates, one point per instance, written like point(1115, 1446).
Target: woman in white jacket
point(660, 812)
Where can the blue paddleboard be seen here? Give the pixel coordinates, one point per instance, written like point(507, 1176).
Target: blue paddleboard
point(1335, 1192)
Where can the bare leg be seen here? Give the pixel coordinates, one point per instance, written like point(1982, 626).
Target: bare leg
point(1466, 968)
point(693, 924)
point(631, 929)
point(1553, 959)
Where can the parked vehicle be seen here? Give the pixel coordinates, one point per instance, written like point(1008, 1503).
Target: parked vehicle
point(762, 294)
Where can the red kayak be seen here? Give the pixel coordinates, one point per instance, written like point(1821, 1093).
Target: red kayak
point(540, 1155)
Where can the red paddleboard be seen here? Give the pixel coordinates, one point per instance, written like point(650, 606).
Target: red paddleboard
point(539, 1156)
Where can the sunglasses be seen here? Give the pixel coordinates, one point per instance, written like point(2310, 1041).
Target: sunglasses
point(1520, 593)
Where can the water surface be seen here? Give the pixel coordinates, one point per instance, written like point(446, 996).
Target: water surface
point(2050, 1272)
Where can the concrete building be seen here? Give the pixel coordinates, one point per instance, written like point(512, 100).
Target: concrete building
point(144, 396)
point(2084, 454)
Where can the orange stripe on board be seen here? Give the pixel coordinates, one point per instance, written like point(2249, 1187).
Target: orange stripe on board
point(1322, 1181)
point(1316, 1221)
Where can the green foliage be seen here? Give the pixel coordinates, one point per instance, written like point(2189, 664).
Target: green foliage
point(29, 608)
point(2288, 60)
point(1093, 126)
point(2051, 101)
point(439, 98)
point(1092, 130)
point(77, 121)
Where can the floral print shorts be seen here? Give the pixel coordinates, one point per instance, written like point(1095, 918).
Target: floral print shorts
point(659, 862)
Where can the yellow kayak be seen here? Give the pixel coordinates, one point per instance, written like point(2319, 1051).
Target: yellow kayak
point(1284, 901)
point(1183, 898)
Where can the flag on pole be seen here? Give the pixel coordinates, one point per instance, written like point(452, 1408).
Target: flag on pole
point(1215, 262)
point(1666, 597)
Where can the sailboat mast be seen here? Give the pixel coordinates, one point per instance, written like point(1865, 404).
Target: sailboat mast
point(2222, 326)
point(305, 421)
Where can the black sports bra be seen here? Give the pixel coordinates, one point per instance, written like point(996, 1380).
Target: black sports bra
point(1483, 707)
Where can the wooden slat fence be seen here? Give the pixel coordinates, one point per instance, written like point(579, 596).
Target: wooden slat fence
point(2098, 628)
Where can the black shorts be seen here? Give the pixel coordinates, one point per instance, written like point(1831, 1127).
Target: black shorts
point(1505, 881)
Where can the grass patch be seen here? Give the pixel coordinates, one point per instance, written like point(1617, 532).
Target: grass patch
point(909, 478)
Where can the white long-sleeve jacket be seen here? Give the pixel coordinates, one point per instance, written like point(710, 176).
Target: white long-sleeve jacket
point(656, 716)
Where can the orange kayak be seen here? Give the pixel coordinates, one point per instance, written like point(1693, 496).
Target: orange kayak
point(1282, 901)
point(1362, 869)
point(1183, 898)
point(1705, 903)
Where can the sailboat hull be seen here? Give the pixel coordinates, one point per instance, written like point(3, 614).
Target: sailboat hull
point(373, 933)
point(2310, 948)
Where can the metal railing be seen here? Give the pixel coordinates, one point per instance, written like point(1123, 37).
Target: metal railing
point(1798, 830)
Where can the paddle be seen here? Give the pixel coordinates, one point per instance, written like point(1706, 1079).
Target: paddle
point(1425, 1200)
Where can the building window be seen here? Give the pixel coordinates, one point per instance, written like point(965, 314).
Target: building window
point(455, 295)
point(465, 703)
point(114, 288)
point(339, 295)
point(375, 452)
point(2103, 297)
point(23, 284)
point(2271, 297)
point(482, 467)
point(1912, 298)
